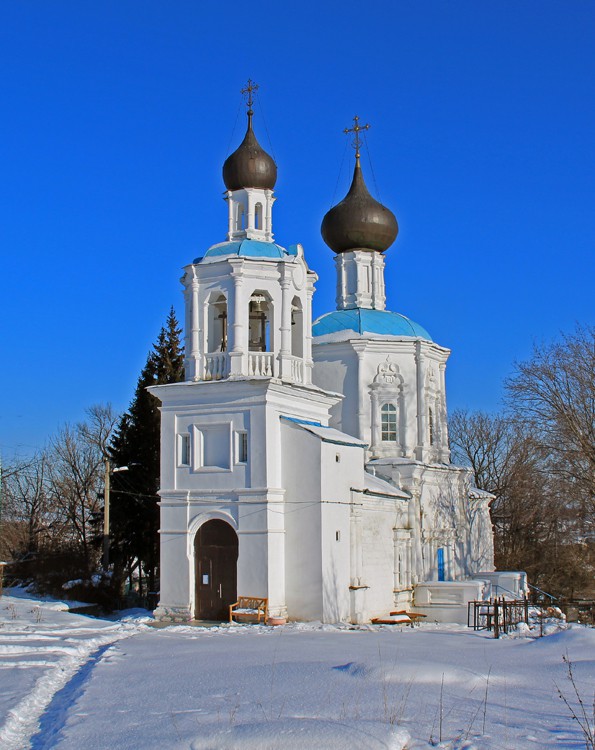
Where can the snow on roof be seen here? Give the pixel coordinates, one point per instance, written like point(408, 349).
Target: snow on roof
point(326, 434)
point(376, 486)
point(477, 494)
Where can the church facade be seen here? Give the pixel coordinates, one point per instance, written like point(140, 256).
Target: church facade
point(307, 461)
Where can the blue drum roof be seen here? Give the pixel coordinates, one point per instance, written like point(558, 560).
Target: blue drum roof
point(249, 249)
point(360, 320)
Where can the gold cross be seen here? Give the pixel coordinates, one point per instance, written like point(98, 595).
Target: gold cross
point(247, 91)
point(356, 129)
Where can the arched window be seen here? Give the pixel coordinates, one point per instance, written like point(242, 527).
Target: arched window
point(389, 423)
point(258, 216)
point(217, 332)
point(259, 339)
point(297, 328)
point(431, 426)
point(241, 217)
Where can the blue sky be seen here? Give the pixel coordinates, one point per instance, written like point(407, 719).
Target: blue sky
point(117, 117)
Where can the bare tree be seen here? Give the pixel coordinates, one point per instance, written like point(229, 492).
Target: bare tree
point(77, 454)
point(553, 396)
point(534, 521)
point(27, 511)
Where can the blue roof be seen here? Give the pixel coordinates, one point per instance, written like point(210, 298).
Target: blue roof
point(249, 249)
point(364, 321)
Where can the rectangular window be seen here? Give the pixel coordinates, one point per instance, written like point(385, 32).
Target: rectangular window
point(389, 423)
point(184, 449)
point(242, 451)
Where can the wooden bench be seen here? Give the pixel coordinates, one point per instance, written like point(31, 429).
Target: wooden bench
point(392, 620)
point(250, 608)
point(413, 616)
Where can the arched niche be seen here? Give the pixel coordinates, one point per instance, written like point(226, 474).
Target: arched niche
point(260, 318)
point(217, 323)
point(297, 328)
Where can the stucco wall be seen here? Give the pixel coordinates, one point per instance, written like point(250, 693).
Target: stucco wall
point(303, 552)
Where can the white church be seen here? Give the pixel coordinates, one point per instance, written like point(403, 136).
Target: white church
point(304, 461)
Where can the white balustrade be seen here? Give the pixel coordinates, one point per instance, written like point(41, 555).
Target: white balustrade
point(260, 364)
point(297, 369)
point(216, 366)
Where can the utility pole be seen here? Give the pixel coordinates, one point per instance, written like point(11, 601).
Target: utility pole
point(106, 492)
point(106, 515)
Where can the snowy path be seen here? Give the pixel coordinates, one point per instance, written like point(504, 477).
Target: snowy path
point(86, 683)
point(42, 649)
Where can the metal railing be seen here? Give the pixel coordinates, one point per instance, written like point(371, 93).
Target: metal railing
point(497, 615)
point(542, 594)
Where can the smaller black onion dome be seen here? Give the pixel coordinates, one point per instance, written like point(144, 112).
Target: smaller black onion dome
point(359, 222)
point(249, 166)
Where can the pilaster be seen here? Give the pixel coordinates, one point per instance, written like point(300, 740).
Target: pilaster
point(422, 416)
point(444, 444)
point(360, 280)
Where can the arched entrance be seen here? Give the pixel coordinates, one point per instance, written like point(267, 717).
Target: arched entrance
point(216, 557)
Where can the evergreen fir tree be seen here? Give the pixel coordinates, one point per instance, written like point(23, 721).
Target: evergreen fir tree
point(136, 444)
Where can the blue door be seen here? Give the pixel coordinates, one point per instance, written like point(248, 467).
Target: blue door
point(440, 563)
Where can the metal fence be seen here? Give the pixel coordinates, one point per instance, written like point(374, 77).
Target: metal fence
point(497, 615)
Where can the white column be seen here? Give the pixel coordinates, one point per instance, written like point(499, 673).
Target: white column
point(408, 561)
point(415, 524)
point(402, 424)
point(250, 213)
point(189, 371)
point(422, 417)
point(360, 280)
point(354, 546)
point(307, 329)
point(378, 291)
point(230, 214)
point(238, 328)
point(360, 348)
point(195, 354)
point(285, 348)
point(276, 554)
point(375, 426)
point(268, 216)
point(340, 300)
point(444, 448)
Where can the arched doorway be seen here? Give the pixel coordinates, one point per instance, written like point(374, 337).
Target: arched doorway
point(216, 557)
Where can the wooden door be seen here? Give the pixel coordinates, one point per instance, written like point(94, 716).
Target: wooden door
point(216, 556)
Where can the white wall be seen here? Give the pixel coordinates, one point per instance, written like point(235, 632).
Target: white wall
point(355, 364)
point(303, 549)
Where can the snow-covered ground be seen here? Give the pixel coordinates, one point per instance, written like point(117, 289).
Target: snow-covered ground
point(70, 682)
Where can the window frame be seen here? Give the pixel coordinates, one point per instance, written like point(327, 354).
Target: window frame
point(388, 422)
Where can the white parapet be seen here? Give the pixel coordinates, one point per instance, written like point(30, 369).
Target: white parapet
point(511, 584)
point(446, 601)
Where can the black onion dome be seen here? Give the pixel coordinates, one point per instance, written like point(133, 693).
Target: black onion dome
point(359, 222)
point(249, 166)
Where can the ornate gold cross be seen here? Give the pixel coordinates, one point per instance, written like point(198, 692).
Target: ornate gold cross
point(247, 91)
point(356, 130)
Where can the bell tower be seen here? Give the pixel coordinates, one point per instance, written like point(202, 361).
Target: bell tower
point(249, 300)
